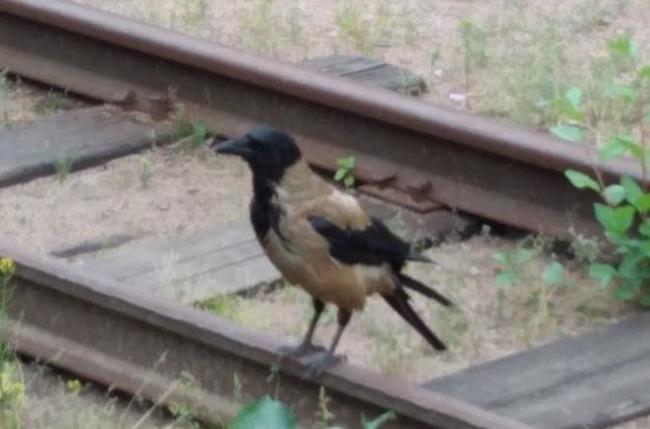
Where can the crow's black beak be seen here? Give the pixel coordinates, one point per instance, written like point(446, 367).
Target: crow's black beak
point(239, 146)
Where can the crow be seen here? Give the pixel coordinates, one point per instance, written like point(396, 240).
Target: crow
point(322, 240)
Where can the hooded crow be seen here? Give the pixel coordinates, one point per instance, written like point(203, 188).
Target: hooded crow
point(321, 240)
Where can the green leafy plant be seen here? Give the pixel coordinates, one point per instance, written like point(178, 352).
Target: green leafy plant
point(378, 421)
point(553, 274)
point(569, 115)
point(190, 134)
point(624, 218)
point(516, 268)
point(198, 134)
point(344, 172)
point(74, 386)
point(613, 99)
point(264, 414)
point(267, 413)
point(624, 211)
point(511, 264)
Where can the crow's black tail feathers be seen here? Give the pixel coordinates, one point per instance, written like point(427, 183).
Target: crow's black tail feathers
point(398, 300)
point(425, 290)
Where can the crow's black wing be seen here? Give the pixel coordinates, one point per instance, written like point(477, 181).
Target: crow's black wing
point(374, 245)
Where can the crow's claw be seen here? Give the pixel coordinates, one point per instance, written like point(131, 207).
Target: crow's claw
point(320, 363)
point(299, 350)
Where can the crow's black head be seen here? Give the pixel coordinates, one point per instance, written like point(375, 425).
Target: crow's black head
point(269, 152)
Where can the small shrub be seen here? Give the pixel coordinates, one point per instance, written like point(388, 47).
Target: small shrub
point(623, 213)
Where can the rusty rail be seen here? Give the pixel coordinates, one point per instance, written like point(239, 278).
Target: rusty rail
point(476, 165)
point(90, 327)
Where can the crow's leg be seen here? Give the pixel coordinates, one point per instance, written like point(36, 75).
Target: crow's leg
point(327, 358)
point(306, 346)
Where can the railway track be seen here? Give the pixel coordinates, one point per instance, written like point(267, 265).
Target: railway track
point(141, 345)
point(483, 167)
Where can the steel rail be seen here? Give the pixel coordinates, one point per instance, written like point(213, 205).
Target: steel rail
point(476, 165)
point(92, 328)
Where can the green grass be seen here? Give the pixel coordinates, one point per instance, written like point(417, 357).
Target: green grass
point(365, 27)
point(351, 27)
point(227, 306)
point(266, 27)
point(193, 13)
point(12, 386)
point(62, 167)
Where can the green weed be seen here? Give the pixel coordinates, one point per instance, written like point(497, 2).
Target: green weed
point(191, 133)
point(324, 415)
point(622, 91)
point(271, 413)
point(613, 101)
point(519, 278)
point(513, 263)
point(74, 386)
point(344, 171)
point(198, 134)
point(586, 250)
point(227, 306)
point(62, 167)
